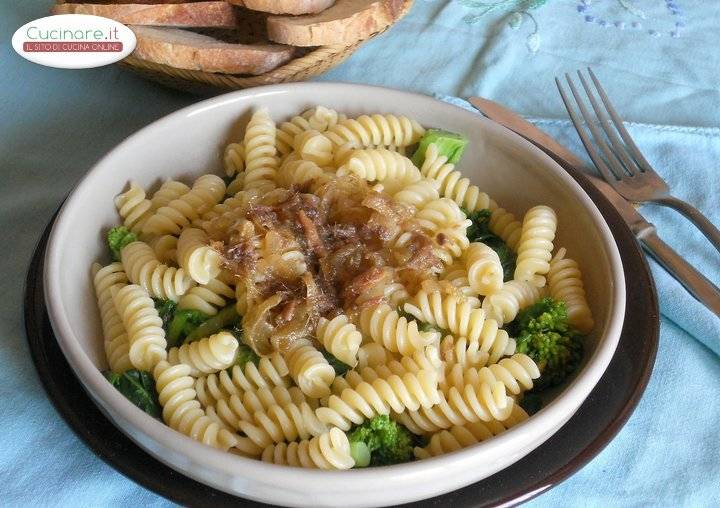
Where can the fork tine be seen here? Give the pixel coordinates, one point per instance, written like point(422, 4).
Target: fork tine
point(632, 147)
point(594, 155)
point(620, 150)
point(610, 158)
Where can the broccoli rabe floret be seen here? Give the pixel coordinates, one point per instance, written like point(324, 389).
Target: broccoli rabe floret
point(542, 332)
point(166, 310)
point(340, 367)
point(117, 238)
point(138, 387)
point(381, 442)
point(479, 231)
point(449, 144)
point(183, 323)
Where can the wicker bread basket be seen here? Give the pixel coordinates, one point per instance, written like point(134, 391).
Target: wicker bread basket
point(310, 62)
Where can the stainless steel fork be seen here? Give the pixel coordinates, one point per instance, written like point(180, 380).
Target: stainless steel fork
point(622, 164)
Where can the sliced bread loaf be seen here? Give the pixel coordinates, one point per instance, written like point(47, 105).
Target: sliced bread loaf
point(346, 22)
point(196, 14)
point(294, 7)
point(189, 50)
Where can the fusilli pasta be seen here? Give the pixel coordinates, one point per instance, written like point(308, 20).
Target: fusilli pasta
point(565, 283)
point(484, 270)
point(328, 451)
point(200, 261)
point(158, 279)
point(206, 356)
point(116, 340)
point(341, 338)
point(536, 245)
point(143, 324)
point(515, 295)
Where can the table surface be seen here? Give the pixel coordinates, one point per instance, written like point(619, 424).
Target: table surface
point(658, 60)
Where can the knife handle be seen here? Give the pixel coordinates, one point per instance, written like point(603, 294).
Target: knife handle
point(697, 285)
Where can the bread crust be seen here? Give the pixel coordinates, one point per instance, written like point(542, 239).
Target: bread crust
point(195, 14)
point(346, 22)
point(187, 50)
point(294, 7)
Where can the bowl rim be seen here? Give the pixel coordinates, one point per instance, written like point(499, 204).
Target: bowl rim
point(559, 410)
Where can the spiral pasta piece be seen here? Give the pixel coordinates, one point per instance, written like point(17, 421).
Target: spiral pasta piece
point(261, 162)
point(484, 270)
point(165, 247)
point(385, 326)
point(536, 244)
point(457, 277)
point(393, 170)
point(206, 356)
point(565, 283)
point(168, 191)
point(208, 298)
point(115, 337)
point(302, 174)
point(200, 261)
point(340, 337)
point(328, 451)
point(234, 158)
point(143, 324)
point(309, 369)
point(409, 392)
point(158, 279)
point(443, 220)
point(458, 437)
point(134, 207)
point(503, 306)
point(451, 183)
point(242, 405)
point(313, 146)
point(207, 191)
point(271, 371)
point(282, 423)
point(458, 406)
point(319, 119)
point(462, 352)
point(418, 194)
point(516, 373)
point(182, 411)
point(505, 225)
point(227, 209)
point(459, 318)
point(373, 354)
point(376, 130)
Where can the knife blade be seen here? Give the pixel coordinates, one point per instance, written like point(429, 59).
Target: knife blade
point(693, 281)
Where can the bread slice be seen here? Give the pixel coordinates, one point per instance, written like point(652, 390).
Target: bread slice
point(294, 7)
point(346, 22)
point(197, 14)
point(123, 2)
point(188, 50)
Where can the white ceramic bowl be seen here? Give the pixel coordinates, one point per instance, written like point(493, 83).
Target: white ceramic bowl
point(188, 143)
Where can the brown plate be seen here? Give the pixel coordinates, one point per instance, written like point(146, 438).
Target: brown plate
point(597, 421)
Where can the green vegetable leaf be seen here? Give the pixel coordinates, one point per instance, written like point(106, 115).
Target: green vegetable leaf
point(166, 310)
point(449, 144)
point(226, 319)
point(183, 323)
point(138, 387)
point(340, 367)
point(117, 238)
point(244, 355)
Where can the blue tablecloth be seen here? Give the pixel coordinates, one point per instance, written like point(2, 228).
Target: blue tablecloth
point(659, 61)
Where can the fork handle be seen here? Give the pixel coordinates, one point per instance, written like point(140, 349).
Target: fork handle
point(694, 215)
point(697, 284)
